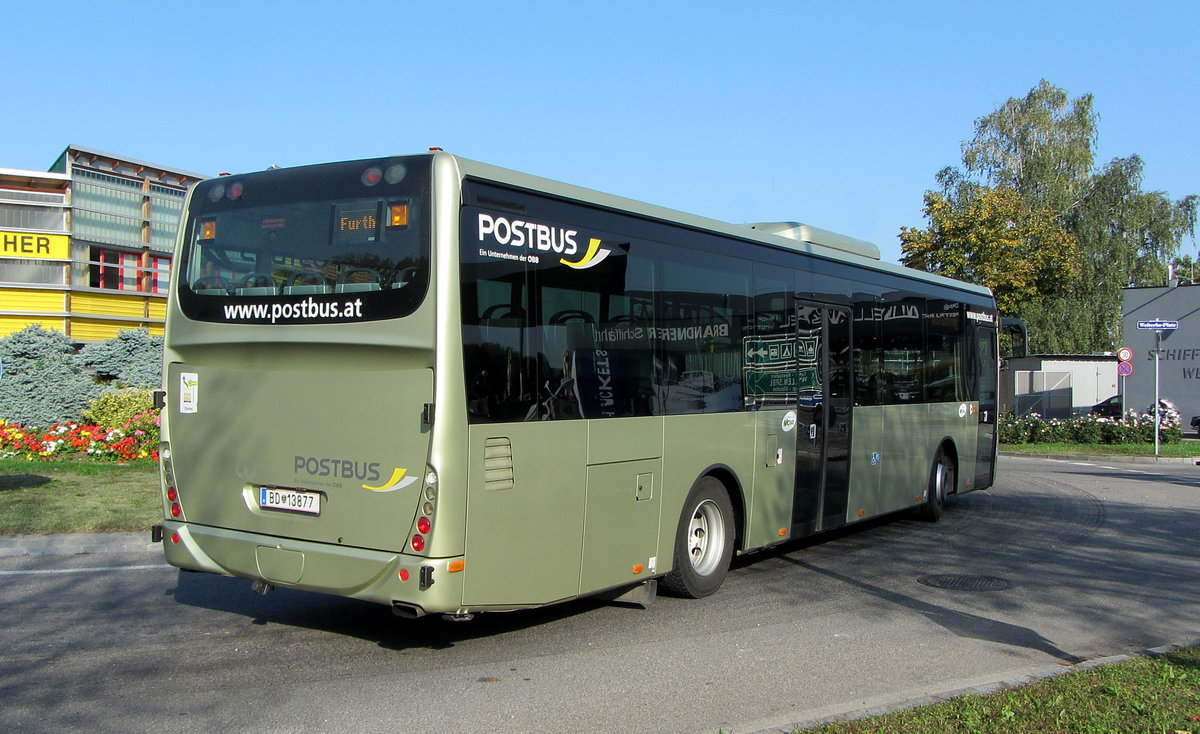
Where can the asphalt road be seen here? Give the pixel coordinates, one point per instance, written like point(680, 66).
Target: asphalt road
point(1059, 562)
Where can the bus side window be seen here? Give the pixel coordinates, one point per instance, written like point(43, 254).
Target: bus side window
point(501, 378)
point(867, 371)
point(704, 309)
point(943, 335)
point(902, 363)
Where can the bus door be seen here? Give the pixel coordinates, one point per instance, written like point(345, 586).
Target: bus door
point(988, 376)
point(823, 417)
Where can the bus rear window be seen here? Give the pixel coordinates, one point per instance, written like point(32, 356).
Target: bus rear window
point(319, 244)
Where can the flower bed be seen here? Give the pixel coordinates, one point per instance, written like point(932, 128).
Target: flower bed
point(137, 439)
point(1132, 428)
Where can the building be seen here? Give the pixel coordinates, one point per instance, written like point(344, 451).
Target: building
point(1057, 385)
point(86, 248)
point(1178, 349)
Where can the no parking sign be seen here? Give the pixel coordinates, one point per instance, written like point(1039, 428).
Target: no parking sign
point(1125, 366)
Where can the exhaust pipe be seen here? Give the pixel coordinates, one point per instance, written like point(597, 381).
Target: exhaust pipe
point(260, 587)
point(407, 611)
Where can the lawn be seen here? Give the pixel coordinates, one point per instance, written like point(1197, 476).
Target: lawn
point(77, 496)
point(1183, 449)
point(1147, 694)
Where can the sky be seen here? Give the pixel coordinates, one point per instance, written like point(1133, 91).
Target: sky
point(835, 114)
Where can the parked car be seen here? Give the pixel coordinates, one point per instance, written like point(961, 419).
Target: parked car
point(1110, 408)
point(1196, 424)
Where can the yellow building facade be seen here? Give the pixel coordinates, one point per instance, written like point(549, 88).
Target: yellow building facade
point(86, 247)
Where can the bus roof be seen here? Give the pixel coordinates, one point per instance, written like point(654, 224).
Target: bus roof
point(792, 236)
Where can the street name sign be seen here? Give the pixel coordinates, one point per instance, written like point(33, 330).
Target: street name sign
point(1158, 325)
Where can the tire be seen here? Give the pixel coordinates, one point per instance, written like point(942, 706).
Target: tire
point(941, 483)
point(703, 541)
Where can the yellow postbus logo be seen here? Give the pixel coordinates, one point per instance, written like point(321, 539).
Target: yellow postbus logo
point(396, 481)
point(593, 256)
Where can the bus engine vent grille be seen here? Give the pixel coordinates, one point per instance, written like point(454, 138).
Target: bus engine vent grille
point(497, 464)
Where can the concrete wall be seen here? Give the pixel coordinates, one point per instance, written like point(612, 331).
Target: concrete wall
point(1178, 349)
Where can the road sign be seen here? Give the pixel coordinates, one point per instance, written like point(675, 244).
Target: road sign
point(771, 383)
point(1125, 354)
point(1124, 369)
point(1158, 325)
point(770, 351)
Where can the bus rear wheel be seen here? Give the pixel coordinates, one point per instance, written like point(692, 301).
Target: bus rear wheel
point(941, 483)
point(703, 541)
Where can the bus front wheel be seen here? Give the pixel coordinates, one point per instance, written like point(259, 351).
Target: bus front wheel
point(703, 541)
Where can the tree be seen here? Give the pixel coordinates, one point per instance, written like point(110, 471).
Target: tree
point(1126, 237)
point(1040, 145)
point(1185, 270)
point(1040, 150)
point(996, 239)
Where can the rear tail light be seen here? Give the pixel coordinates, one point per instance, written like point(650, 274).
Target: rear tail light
point(424, 522)
point(168, 474)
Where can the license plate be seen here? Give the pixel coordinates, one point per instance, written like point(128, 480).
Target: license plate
point(271, 498)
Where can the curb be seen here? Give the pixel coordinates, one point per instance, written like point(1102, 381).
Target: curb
point(69, 544)
point(1189, 460)
point(981, 689)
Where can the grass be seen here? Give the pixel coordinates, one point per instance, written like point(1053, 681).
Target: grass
point(1147, 694)
point(1184, 449)
point(77, 496)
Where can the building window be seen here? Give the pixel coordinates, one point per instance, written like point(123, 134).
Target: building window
point(160, 274)
point(114, 270)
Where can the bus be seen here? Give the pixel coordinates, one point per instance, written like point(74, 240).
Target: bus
point(451, 388)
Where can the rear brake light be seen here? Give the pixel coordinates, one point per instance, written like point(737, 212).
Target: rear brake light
point(423, 525)
point(418, 542)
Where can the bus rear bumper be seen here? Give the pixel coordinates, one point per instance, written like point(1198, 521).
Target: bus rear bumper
point(412, 585)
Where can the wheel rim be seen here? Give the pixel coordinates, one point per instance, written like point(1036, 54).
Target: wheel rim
point(939, 483)
point(706, 537)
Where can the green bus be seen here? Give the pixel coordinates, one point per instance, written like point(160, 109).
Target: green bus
point(452, 388)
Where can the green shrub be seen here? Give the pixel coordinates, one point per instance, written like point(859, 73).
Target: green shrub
point(1088, 429)
point(132, 358)
point(112, 411)
point(43, 382)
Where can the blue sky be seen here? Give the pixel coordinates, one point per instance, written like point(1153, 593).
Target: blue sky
point(834, 114)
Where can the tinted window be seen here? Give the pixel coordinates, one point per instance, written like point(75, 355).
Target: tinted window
point(902, 356)
point(566, 316)
point(944, 338)
point(320, 244)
